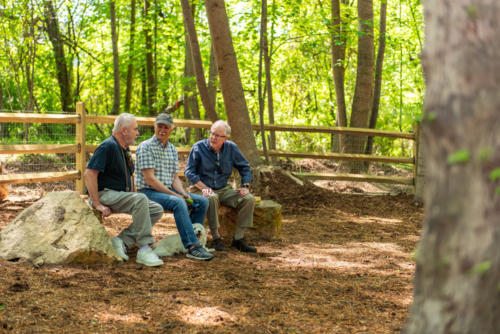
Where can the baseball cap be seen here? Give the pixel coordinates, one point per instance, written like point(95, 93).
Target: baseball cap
point(164, 119)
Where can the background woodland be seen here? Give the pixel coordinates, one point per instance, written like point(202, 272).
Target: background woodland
point(135, 56)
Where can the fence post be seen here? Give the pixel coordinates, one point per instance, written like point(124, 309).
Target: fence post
point(81, 160)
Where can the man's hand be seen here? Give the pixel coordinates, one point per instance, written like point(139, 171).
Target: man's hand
point(207, 192)
point(243, 192)
point(104, 210)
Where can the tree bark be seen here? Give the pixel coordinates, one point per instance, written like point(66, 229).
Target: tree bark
point(269, 87)
point(338, 58)
point(198, 65)
point(230, 80)
point(130, 68)
point(379, 64)
point(116, 61)
point(458, 262)
point(263, 49)
point(363, 91)
point(212, 79)
point(63, 80)
point(150, 79)
point(190, 98)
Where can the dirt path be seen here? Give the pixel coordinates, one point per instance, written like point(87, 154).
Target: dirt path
point(343, 265)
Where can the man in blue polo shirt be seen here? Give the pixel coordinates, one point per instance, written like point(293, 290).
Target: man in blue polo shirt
point(110, 186)
point(209, 167)
point(156, 177)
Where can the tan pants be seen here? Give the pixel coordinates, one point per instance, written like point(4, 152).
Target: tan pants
point(145, 214)
point(229, 197)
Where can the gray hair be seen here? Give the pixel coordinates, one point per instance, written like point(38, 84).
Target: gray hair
point(123, 120)
point(219, 123)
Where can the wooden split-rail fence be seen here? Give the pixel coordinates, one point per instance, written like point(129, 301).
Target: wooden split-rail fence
point(80, 148)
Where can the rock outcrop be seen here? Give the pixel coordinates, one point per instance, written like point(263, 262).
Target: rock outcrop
point(59, 228)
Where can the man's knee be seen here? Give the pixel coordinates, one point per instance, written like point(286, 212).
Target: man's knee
point(248, 199)
point(179, 203)
point(213, 199)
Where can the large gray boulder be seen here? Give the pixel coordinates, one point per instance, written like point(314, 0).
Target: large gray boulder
point(59, 228)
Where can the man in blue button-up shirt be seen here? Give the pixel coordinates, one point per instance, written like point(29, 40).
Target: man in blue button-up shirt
point(209, 167)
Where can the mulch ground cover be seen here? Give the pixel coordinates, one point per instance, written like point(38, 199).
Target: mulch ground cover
point(343, 265)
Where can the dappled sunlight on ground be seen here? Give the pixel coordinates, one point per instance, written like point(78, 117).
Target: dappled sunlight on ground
point(114, 315)
point(343, 264)
point(365, 257)
point(207, 316)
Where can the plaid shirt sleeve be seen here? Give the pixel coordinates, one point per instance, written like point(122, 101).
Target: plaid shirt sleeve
point(144, 157)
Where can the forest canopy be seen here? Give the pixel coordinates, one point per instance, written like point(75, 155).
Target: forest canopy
point(57, 53)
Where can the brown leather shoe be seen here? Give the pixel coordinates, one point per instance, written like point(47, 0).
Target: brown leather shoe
point(218, 245)
point(242, 246)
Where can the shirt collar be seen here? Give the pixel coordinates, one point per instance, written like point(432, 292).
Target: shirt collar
point(158, 142)
point(207, 144)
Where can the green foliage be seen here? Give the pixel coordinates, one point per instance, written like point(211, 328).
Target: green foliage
point(485, 153)
point(461, 156)
point(481, 268)
point(299, 34)
point(495, 174)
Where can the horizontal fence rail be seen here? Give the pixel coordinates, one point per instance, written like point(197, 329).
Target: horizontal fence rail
point(80, 148)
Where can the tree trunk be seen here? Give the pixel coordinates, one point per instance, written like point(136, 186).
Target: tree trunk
point(190, 98)
point(212, 79)
point(363, 92)
point(150, 79)
point(263, 49)
point(52, 27)
point(198, 65)
point(130, 69)
point(378, 74)
point(230, 80)
point(458, 262)
point(269, 87)
point(338, 58)
point(116, 61)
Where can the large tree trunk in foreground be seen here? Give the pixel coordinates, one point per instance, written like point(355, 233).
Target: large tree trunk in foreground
point(458, 261)
point(230, 80)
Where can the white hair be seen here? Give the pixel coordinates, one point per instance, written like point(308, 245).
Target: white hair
point(227, 128)
point(123, 120)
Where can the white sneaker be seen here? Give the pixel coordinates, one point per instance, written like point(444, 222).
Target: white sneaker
point(148, 257)
point(119, 247)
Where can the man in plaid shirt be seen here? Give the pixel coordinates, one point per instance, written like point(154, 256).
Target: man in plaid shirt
point(156, 176)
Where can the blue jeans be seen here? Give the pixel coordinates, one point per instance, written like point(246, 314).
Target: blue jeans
point(184, 219)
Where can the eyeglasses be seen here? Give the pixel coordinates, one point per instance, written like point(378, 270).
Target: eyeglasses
point(216, 135)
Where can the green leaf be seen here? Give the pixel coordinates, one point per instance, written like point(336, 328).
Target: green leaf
point(481, 268)
point(495, 174)
point(459, 157)
point(429, 117)
point(2, 306)
point(485, 153)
